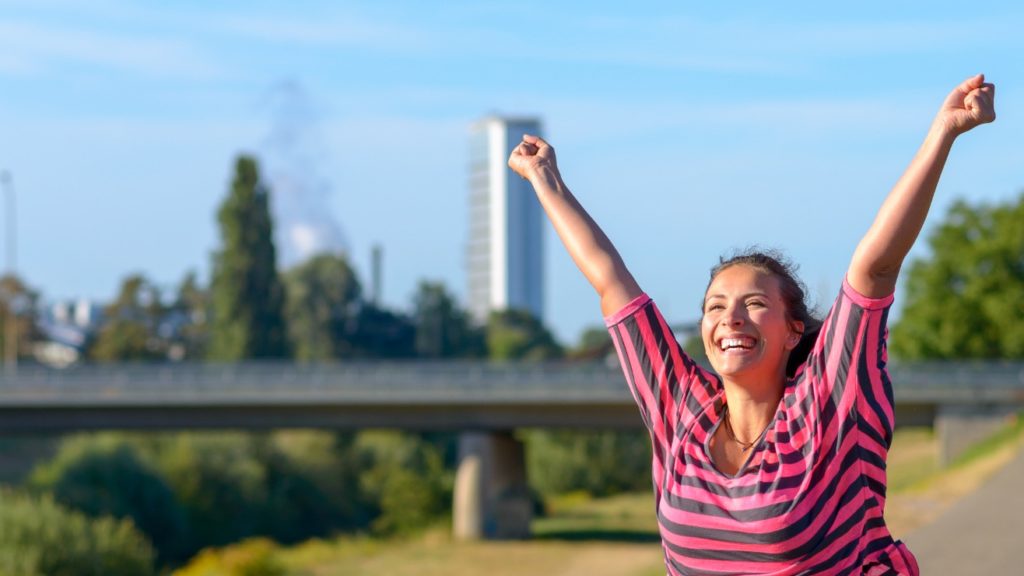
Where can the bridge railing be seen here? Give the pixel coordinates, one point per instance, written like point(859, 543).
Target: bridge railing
point(968, 382)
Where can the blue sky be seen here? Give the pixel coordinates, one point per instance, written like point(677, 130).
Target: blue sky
point(684, 130)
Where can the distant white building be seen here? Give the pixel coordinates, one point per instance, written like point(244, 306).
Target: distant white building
point(66, 326)
point(504, 267)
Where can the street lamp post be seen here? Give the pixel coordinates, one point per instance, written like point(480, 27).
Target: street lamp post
point(10, 326)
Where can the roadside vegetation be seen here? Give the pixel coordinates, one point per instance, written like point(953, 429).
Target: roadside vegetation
point(581, 534)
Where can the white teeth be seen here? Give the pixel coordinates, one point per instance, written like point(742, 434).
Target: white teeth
point(737, 343)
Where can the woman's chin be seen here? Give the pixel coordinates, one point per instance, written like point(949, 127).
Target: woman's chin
point(732, 364)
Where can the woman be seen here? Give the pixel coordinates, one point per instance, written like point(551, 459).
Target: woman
point(775, 463)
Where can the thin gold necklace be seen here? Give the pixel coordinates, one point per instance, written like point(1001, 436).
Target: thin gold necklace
point(732, 435)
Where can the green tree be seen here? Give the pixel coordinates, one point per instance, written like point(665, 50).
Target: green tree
point(966, 299)
point(443, 330)
point(322, 307)
point(519, 335)
point(247, 294)
point(130, 332)
point(595, 344)
point(18, 299)
point(383, 333)
point(191, 309)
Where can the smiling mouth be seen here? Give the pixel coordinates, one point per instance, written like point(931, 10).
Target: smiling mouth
point(742, 343)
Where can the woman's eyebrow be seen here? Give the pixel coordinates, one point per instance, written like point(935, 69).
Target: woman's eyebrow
point(747, 295)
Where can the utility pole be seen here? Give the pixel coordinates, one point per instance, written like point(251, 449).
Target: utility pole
point(11, 325)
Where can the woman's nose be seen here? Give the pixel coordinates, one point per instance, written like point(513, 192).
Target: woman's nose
point(733, 316)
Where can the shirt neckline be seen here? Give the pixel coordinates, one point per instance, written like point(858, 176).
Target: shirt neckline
point(758, 445)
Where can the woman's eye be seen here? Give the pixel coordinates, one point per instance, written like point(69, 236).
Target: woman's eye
point(714, 307)
point(756, 303)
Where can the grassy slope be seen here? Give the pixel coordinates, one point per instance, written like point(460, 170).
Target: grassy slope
point(925, 491)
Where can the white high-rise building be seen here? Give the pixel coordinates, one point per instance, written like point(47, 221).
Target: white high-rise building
point(504, 267)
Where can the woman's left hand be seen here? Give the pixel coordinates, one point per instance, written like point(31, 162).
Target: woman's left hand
point(970, 104)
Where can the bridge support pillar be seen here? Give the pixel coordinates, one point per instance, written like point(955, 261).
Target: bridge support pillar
point(491, 500)
point(959, 427)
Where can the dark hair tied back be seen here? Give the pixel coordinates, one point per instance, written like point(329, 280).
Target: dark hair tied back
point(792, 290)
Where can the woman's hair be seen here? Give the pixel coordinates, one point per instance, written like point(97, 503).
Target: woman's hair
point(793, 292)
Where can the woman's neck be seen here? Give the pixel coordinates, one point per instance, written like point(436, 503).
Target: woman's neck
point(751, 408)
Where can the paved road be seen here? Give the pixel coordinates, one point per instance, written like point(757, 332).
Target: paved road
point(983, 533)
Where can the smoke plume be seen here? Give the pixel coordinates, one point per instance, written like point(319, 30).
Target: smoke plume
point(291, 156)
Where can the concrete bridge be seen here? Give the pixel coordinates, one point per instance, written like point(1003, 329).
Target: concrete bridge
point(485, 402)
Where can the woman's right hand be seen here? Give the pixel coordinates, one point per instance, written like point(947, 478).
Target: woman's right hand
point(534, 158)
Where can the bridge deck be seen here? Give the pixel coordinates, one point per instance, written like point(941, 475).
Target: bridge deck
point(443, 395)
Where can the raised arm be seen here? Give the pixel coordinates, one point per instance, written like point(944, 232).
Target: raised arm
point(877, 259)
point(590, 249)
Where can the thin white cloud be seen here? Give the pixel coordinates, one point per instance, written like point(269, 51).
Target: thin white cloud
point(338, 30)
point(39, 47)
point(606, 120)
point(11, 65)
point(651, 41)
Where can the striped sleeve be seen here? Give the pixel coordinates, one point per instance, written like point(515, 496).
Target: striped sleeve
point(668, 386)
point(847, 368)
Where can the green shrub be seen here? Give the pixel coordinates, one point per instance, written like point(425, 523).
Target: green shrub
point(288, 485)
point(192, 490)
point(40, 538)
point(599, 463)
point(312, 486)
point(104, 475)
point(254, 557)
point(405, 480)
point(219, 479)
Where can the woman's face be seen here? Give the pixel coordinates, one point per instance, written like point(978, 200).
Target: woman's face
point(746, 330)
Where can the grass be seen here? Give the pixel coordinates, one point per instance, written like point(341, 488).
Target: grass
point(577, 518)
point(919, 490)
point(1010, 434)
point(581, 537)
point(913, 458)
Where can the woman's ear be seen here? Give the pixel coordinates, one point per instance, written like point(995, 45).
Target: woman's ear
point(796, 331)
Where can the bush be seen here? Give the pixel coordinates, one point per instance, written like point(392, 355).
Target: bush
point(312, 486)
point(104, 475)
point(405, 480)
point(599, 463)
point(40, 538)
point(220, 481)
point(255, 557)
point(188, 491)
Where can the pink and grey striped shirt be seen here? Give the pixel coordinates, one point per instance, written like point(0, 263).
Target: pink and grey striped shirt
point(810, 498)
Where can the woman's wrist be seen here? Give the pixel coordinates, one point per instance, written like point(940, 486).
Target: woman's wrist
point(546, 179)
point(943, 131)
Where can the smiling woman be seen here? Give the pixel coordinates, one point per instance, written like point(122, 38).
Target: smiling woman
point(775, 462)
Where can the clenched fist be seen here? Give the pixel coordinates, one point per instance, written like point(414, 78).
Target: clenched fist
point(534, 158)
point(970, 104)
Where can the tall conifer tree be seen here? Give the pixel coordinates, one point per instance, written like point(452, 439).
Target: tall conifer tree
point(248, 296)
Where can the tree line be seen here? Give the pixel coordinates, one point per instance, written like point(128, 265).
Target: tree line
point(315, 311)
point(962, 301)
